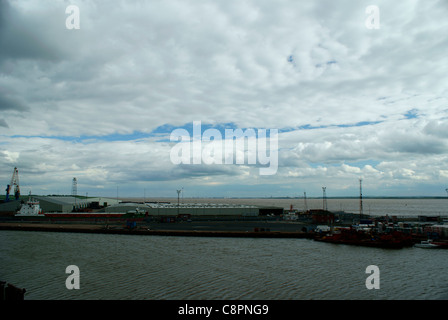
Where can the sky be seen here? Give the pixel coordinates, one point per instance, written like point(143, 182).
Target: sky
point(353, 94)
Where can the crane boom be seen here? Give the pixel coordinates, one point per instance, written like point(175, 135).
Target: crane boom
point(15, 183)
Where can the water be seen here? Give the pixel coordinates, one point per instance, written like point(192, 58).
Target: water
point(126, 267)
point(378, 207)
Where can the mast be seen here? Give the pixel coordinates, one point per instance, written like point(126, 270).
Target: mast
point(306, 205)
point(360, 197)
point(324, 198)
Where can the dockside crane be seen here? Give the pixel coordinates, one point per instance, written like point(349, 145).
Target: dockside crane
point(14, 183)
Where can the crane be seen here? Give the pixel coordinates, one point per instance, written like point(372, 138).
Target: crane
point(15, 183)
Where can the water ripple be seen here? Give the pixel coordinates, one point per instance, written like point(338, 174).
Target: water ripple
point(136, 267)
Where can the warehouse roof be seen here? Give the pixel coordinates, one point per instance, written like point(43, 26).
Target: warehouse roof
point(196, 205)
point(62, 200)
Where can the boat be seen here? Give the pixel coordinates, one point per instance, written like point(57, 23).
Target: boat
point(392, 240)
point(30, 209)
point(431, 244)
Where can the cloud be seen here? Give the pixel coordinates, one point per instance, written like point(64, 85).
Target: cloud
point(11, 103)
point(99, 102)
point(21, 32)
point(3, 123)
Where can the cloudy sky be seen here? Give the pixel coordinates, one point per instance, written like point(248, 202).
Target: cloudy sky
point(99, 103)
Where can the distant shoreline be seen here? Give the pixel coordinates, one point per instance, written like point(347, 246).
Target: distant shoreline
point(237, 198)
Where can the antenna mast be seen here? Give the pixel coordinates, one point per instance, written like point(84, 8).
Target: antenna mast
point(360, 197)
point(178, 195)
point(306, 205)
point(324, 198)
point(74, 187)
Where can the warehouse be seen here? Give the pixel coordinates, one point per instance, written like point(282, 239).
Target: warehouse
point(10, 207)
point(191, 209)
point(70, 204)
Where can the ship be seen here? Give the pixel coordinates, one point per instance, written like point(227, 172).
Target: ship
point(431, 244)
point(392, 240)
point(30, 209)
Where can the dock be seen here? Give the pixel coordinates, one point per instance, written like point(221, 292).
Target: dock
point(102, 229)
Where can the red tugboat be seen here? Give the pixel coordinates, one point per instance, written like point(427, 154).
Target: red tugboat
point(392, 240)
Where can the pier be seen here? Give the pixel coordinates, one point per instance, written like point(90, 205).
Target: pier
point(209, 230)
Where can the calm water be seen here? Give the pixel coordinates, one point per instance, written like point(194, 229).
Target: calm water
point(399, 207)
point(152, 267)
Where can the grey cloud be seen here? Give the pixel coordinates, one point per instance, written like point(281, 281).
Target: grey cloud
point(24, 36)
point(10, 103)
point(438, 128)
point(135, 66)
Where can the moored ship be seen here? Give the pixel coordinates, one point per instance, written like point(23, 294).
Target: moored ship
point(30, 209)
point(392, 240)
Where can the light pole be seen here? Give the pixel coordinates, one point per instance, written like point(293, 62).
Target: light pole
point(178, 195)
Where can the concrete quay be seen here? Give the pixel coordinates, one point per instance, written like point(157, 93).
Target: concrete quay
point(253, 229)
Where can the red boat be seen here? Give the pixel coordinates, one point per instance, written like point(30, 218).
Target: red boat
point(393, 240)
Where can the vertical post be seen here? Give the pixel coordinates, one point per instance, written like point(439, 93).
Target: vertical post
point(306, 205)
point(324, 198)
point(360, 198)
point(178, 195)
point(74, 187)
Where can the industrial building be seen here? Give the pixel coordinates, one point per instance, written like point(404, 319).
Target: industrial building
point(70, 204)
point(194, 209)
point(10, 207)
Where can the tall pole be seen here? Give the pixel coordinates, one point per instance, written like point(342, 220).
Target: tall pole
point(178, 195)
point(74, 187)
point(306, 205)
point(360, 197)
point(324, 198)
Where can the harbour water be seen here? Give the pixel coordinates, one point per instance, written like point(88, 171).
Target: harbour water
point(379, 207)
point(129, 267)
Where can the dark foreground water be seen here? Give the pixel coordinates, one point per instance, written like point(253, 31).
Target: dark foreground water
point(153, 267)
